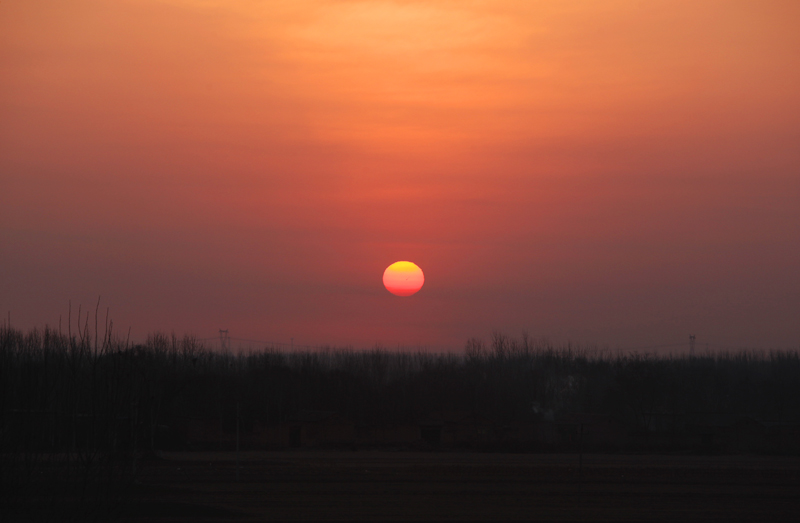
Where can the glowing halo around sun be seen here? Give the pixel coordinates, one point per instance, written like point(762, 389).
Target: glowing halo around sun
point(403, 278)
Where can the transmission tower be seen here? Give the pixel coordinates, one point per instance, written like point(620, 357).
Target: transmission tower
point(224, 339)
point(691, 344)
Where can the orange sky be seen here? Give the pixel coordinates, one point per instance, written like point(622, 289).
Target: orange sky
point(621, 173)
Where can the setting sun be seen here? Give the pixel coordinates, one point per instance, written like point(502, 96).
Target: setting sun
point(403, 278)
point(617, 172)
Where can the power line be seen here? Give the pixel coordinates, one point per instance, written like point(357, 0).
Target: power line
point(657, 346)
point(228, 338)
point(292, 344)
point(224, 338)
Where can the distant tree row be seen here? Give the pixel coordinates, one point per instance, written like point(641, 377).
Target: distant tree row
point(91, 404)
point(108, 383)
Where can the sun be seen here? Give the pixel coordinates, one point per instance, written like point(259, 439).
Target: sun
point(403, 278)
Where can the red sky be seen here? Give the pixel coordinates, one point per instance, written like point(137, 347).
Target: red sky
point(620, 173)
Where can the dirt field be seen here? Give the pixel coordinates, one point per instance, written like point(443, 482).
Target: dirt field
point(408, 485)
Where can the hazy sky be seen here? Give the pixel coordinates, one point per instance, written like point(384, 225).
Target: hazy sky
point(621, 173)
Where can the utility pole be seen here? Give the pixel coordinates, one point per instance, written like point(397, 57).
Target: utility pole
point(238, 417)
point(580, 454)
point(580, 466)
point(691, 345)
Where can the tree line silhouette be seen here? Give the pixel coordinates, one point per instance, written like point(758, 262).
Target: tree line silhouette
point(81, 411)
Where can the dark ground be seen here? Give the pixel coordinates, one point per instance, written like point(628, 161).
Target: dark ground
point(410, 485)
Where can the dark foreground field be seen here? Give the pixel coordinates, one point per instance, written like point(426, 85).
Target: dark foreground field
point(405, 485)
